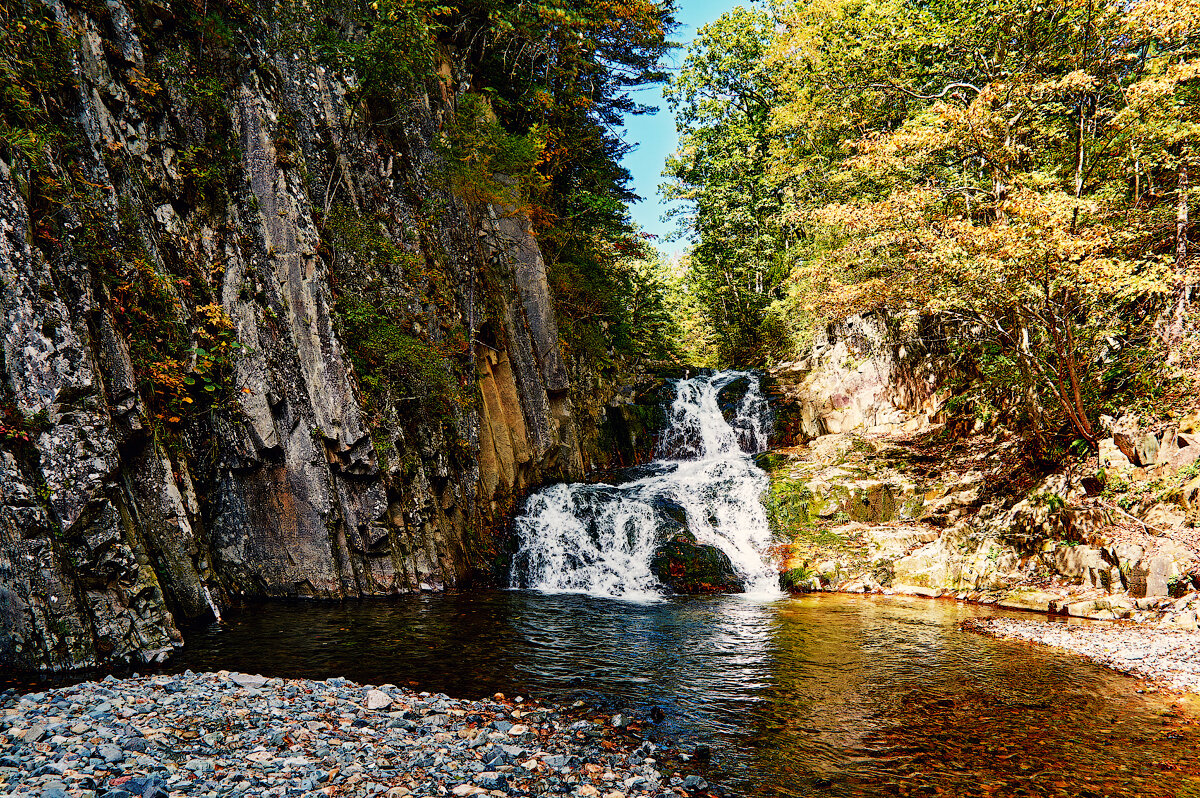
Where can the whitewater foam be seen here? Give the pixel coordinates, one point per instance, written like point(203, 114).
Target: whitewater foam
point(598, 539)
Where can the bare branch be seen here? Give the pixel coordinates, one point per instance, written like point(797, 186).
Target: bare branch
point(938, 96)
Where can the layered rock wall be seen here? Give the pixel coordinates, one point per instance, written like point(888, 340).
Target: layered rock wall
point(239, 186)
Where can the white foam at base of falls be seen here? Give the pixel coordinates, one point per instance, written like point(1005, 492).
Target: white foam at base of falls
point(598, 539)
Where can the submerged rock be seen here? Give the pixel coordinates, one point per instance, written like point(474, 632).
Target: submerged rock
point(685, 566)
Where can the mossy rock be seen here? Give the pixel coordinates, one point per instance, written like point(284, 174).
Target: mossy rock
point(691, 568)
point(874, 505)
point(798, 580)
point(912, 507)
point(884, 572)
point(769, 461)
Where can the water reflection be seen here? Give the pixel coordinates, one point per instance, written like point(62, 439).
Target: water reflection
point(828, 695)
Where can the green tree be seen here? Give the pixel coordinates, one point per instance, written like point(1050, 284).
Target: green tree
point(1022, 168)
point(722, 99)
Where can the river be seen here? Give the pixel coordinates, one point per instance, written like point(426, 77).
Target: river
point(823, 695)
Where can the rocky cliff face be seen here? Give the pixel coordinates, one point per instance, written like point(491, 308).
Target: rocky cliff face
point(886, 491)
point(253, 345)
point(865, 372)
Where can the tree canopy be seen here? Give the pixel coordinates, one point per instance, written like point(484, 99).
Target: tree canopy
point(1022, 168)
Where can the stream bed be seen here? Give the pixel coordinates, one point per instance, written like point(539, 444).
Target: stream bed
point(828, 695)
point(820, 695)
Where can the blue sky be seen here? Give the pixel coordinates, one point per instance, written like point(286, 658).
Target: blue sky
point(654, 134)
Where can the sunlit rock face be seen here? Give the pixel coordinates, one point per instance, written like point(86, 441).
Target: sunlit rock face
point(867, 373)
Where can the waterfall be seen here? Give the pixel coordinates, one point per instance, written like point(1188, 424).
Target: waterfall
point(598, 539)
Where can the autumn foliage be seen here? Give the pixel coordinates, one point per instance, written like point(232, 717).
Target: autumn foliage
point(1021, 168)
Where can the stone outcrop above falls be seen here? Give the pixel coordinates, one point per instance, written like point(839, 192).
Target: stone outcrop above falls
point(869, 373)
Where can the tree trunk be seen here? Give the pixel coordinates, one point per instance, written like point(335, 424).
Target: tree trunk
point(1081, 155)
point(1183, 281)
point(1181, 221)
point(1080, 151)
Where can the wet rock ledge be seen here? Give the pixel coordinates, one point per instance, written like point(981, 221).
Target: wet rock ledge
point(230, 734)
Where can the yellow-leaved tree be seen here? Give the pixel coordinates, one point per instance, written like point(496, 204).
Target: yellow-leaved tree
point(1020, 169)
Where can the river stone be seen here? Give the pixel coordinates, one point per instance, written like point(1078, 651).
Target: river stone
point(247, 681)
point(147, 787)
point(377, 699)
point(691, 568)
point(491, 780)
point(1033, 600)
point(111, 753)
point(135, 744)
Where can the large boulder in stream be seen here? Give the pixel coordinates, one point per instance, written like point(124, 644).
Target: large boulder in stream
point(685, 566)
point(730, 397)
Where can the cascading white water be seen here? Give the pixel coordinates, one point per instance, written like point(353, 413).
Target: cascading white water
point(599, 539)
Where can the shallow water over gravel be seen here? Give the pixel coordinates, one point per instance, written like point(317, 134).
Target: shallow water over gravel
point(824, 695)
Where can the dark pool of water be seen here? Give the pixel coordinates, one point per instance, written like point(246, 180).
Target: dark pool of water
point(825, 695)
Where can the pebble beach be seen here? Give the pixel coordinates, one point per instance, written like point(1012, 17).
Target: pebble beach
point(231, 734)
point(1166, 657)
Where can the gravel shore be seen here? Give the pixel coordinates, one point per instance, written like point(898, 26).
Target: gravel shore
point(229, 734)
point(1165, 657)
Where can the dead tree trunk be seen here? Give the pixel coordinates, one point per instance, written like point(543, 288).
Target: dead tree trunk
point(1183, 279)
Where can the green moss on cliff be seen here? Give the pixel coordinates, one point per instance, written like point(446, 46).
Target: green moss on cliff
point(392, 365)
point(35, 82)
point(485, 162)
point(384, 314)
